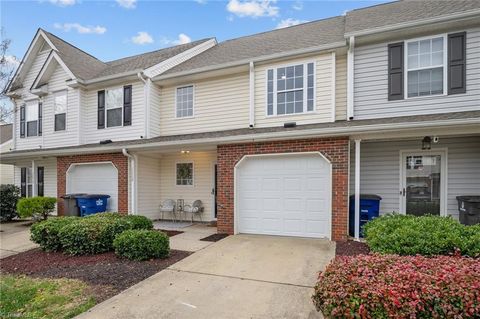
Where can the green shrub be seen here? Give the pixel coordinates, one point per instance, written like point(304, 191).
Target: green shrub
point(91, 235)
point(142, 244)
point(46, 233)
point(37, 207)
point(9, 196)
point(139, 222)
point(424, 235)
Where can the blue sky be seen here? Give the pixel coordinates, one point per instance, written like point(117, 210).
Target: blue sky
point(113, 29)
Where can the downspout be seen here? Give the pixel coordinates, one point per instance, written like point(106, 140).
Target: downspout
point(146, 103)
point(350, 77)
point(252, 95)
point(14, 126)
point(133, 176)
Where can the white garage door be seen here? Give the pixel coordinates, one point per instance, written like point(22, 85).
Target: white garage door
point(287, 195)
point(94, 179)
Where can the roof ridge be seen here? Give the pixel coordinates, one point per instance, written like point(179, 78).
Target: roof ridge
point(148, 52)
point(378, 5)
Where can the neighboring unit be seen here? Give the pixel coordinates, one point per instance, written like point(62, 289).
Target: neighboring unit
point(6, 170)
point(273, 131)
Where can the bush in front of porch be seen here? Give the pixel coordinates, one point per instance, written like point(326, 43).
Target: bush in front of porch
point(423, 235)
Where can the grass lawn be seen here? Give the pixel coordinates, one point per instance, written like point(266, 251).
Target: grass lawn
point(25, 297)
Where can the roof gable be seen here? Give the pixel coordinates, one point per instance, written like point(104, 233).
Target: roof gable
point(51, 63)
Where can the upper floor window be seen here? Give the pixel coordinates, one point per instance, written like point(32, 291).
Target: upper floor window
point(291, 89)
point(184, 101)
point(60, 108)
point(32, 117)
point(425, 66)
point(114, 106)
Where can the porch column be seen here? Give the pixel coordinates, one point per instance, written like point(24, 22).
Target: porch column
point(357, 189)
point(34, 180)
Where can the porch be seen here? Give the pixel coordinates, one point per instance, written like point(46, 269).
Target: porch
point(414, 177)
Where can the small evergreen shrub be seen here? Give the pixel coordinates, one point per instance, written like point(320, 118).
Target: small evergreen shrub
point(392, 286)
point(140, 244)
point(46, 233)
point(139, 222)
point(36, 207)
point(9, 196)
point(424, 235)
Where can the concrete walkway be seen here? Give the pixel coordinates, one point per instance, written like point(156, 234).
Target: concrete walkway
point(242, 276)
point(15, 238)
point(190, 239)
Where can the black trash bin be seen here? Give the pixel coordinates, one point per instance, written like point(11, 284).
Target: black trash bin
point(71, 207)
point(469, 209)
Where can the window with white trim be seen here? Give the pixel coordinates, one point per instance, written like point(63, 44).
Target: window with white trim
point(291, 89)
point(60, 108)
point(425, 67)
point(114, 106)
point(184, 101)
point(184, 174)
point(31, 118)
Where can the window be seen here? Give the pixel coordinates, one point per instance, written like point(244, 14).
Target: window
point(425, 67)
point(184, 173)
point(290, 89)
point(184, 101)
point(60, 106)
point(29, 182)
point(114, 106)
point(31, 118)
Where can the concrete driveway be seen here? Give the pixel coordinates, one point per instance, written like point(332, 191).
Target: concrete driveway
point(242, 276)
point(15, 238)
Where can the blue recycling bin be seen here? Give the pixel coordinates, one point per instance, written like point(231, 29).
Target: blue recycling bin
point(92, 203)
point(369, 209)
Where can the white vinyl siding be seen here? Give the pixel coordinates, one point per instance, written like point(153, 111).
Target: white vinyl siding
point(341, 88)
point(154, 114)
point(220, 104)
point(380, 169)
point(149, 181)
point(119, 133)
point(323, 91)
point(371, 85)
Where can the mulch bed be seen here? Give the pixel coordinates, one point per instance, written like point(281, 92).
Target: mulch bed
point(214, 237)
point(170, 233)
point(106, 274)
point(351, 248)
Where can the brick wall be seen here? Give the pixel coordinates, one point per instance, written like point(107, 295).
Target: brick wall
point(335, 149)
point(118, 159)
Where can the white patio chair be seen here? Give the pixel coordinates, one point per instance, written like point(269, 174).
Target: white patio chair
point(195, 209)
point(168, 206)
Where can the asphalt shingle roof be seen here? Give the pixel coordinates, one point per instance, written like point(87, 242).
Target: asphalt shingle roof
point(6, 132)
point(404, 11)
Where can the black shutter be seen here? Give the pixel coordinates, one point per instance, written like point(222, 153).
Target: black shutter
point(40, 106)
point(22, 120)
point(40, 174)
point(457, 61)
point(101, 110)
point(23, 182)
point(395, 71)
point(127, 105)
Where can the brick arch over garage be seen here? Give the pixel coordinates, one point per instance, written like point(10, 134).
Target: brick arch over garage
point(118, 160)
point(334, 149)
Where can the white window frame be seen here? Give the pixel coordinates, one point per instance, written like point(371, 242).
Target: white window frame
point(305, 88)
point(55, 94)
point(193, 102)
point(106, 107)
point(36, 102)
point(445, 65)
point(193, 173)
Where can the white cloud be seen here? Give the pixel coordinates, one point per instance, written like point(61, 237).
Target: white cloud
point(11, 60)
point(182, 39)
point(67, 27)
point(297, 5)
point(63, 3)
point(127, 4)
point(253, 8)
point(289, 22)
point(142, 37)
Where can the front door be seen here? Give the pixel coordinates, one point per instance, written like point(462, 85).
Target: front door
point(423, 183)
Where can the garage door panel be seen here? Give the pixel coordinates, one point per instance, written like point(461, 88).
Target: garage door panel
point(284, 195)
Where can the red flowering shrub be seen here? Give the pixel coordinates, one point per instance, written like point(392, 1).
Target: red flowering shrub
point(392, 286)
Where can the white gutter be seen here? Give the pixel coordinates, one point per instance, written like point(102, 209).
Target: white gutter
point(133, 176)
point(279, 135)
point(350, 77)
point(409, 24)
point(252, 95)
point(146, 103)
point(262, 58)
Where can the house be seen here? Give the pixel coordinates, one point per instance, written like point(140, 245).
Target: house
point(273, 131)
point(6, 170)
